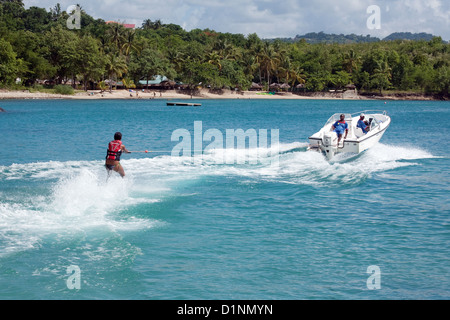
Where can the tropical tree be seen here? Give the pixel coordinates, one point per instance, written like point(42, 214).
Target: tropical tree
point(129, 43)
point(317, 82)
point(341, 79)
point(61, 52)
point(382, 76)
point(12, 12)
point(442, 80)
point(10, 66)
point(296, 75)
point(29, 47)
point(116, 36)
point(362, 80)
point(249, 65)
point(102, 86)
point(215, 59)
point(351, 61)
point(269, 60)
point(115, 66)
point(423, 77)
point(90, 63)
point(175, 58)
point(150, 63)
point(128, 83)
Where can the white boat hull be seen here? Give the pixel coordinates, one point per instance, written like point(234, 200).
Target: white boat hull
point(356, 142)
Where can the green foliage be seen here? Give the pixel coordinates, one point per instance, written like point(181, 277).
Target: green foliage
point(10, 67)
point(63, 89)
point(36, 44)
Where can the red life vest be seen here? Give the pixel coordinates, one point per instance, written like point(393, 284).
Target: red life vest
point(114, 150)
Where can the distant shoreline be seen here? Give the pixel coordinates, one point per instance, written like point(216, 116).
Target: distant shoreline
point(207, 94)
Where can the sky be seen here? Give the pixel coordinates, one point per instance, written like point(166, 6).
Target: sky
point(276, 18)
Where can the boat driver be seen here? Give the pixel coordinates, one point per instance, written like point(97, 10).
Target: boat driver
point(364, 125)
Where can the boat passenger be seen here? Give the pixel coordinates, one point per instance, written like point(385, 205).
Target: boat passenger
point(339, 127)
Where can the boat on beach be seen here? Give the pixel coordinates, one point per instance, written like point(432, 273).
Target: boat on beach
point(326, 139)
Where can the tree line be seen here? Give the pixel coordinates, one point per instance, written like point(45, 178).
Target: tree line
point(35, 43)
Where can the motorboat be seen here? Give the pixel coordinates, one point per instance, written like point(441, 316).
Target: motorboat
point(326, 140)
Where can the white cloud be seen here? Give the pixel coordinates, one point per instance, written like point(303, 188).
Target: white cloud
point(272, 18)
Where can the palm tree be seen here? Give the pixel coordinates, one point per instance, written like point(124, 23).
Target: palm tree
point(116, 35)
point(284, 69)
point(258, 53)
point(295, 74)
point(116, 66)
point(214, 59)
point(249, 63)
point(382, 75)
point(157, 24)
point(129, 43)
point(147, 24)
point(128, 83)
point(104, 44)
point(254, 46)
point(102, 86)
point(175, 58)
point(269, 60)
point(351, 61)
point(234, 54)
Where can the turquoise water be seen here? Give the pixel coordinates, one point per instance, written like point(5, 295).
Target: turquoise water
point(290, 226)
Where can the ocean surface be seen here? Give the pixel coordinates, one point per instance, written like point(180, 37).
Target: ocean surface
point(278, 222)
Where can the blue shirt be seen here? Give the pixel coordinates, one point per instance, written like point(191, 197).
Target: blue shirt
point(362, 125)
point(340, 127)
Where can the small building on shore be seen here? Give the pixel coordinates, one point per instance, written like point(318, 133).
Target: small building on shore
point(256, 87)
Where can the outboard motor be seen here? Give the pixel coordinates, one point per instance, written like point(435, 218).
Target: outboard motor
point(329, 144)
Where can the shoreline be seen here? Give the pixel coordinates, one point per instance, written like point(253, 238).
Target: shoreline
point(205, 94)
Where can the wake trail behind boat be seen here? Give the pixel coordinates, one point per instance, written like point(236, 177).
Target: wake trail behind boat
point(74, 197)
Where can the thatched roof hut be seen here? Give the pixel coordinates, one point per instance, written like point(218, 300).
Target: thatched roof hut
point(168, 85)
point(256, 87)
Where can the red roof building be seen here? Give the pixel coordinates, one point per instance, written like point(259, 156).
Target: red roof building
point(125, 25)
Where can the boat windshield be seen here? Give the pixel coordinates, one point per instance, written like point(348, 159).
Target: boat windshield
point(337, 116)
point(375, 118)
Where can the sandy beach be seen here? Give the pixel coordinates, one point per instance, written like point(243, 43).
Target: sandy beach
point(170, 94)
point(205, 94)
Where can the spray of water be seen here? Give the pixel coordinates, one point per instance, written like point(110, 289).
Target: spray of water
point(79, 199)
